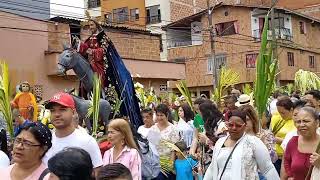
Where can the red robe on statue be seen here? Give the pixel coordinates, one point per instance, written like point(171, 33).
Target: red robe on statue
point(96, 58)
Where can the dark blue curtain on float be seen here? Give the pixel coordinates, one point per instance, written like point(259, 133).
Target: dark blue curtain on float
point(120, 78)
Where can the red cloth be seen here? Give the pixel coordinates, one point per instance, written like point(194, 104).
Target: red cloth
point(296, 163)
point(96, 59)
point(104, 146)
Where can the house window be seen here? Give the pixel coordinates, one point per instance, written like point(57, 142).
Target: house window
point(163, 88)
point(290, 59)
point(108, 18)
point(311, 62)
point(93, 3)
point(121, 15)
point(221, 60)
point(227, 28)
point(134, 14)
point(251, 60)
point(302, 27)
point(153, 14)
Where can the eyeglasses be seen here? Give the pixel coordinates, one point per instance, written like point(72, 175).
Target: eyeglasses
point(26, 144)
point(234, 125)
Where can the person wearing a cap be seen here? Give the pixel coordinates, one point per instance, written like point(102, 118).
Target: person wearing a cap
point(62, 109)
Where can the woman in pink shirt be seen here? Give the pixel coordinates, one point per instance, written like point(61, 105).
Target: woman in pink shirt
point(300, 152)
point(124, 150)
point(29, 147)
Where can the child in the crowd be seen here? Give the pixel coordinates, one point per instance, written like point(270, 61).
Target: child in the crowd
point(184, 164)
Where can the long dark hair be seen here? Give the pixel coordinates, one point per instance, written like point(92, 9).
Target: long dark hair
point(252, 115)
point(3, 141)
point(211, 116)
point(188, 113)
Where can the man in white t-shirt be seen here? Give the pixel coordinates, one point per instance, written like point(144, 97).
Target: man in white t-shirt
point(62, 109)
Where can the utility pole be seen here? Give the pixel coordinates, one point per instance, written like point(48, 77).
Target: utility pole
point(212, 48)
point(274, 39)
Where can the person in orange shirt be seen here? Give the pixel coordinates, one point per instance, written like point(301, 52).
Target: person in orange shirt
point(25, 101)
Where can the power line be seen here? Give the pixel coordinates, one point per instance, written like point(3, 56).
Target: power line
point(181, 33)
point(74, 16)
point(188, 34)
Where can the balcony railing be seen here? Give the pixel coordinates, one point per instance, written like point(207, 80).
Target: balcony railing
point(93, 3)
point(179, 43)
point(281, 33)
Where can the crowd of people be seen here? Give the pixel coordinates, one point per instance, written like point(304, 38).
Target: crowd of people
point(208, 141)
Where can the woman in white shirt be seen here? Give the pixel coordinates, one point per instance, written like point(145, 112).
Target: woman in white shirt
point(185, 123)
point(239, 156)
point(162, 131)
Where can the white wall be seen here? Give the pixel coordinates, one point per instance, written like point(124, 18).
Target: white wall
point(95, 12)
point(196, 33)
point(254, 24)
point(165, 18)
point(164, 8)
point(255, 21)
point(60, 8)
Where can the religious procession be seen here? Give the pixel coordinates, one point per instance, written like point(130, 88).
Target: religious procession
point(159, 90)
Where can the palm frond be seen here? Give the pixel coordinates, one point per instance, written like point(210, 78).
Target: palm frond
point(306, 80)
point(95, 104)
point(265, 73)
point(184, 90)
point(5, 93)
point(166, 165)
point(227, 78)
point(247, 89)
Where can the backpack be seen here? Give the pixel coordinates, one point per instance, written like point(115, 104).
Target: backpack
point(150, 166)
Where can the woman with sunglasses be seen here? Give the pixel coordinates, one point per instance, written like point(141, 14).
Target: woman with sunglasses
point(29, 147)
point(239, 156)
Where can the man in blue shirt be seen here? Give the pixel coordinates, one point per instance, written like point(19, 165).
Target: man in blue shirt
point(19, 121)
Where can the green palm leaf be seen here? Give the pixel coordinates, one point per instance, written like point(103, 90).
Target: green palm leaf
point(306, 80)
point(184, 90)
point(227, 78)
point(95, 104)
point(265, 73)
point(247, 89)
point(5, 95)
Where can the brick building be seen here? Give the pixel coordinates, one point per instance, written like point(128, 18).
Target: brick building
point(32, 48)
point(139, 49)
point(309, 7)
point(130, 13)
point(237, 42)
